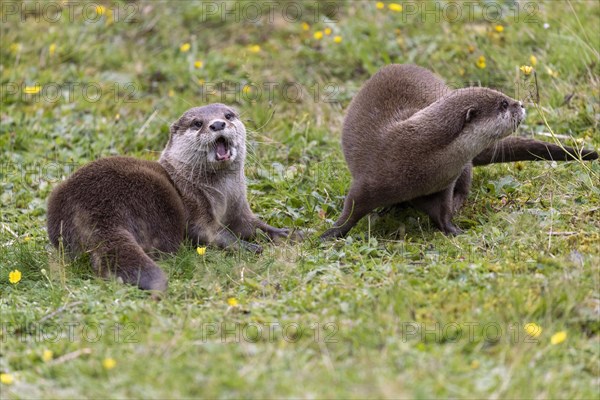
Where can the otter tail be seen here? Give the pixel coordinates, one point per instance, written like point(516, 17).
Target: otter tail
point(522, 149)
point(123, 257)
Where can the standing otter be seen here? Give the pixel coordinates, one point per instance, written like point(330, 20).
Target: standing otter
point(124, 211)
point(409, 137)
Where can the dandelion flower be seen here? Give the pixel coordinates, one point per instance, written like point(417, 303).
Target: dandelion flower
point(305, 26)
point(6, 379)
point(254, 48)
point(232, 301)
point(184, 48)
point(499, 28)
point(526, 69)
point(395, 7)
point(558, 337)
point(337, 39)
point(379, 5)
point(14, 277)
point(533, 329)
point(198, 64)
point(47, 355)
point(318, 35)
point(32, 89)
point(533, 60)
point(201, 250)
point(109, 363)
point(481, 62)
point(327, 31)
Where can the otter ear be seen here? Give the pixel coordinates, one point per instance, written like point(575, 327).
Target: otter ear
point(174, 127)
point(471, 113)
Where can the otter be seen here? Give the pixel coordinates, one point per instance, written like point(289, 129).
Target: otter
point(407, 137)
point(125, 212)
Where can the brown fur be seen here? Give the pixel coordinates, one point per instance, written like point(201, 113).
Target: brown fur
point(409, 137)
point(125, 211)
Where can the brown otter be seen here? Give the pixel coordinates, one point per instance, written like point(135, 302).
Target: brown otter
point(409, 137)
point(124, 211)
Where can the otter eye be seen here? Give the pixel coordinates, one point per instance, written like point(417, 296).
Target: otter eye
point(504, 104)
point(229, 116)
point(197, 124)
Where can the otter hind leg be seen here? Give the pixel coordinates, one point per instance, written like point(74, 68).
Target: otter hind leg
point(440, 208)
point(356, 206)
point(122, 256)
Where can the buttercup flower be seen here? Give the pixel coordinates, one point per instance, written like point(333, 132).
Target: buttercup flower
point(232, 301)
point(305, 26)
point(201, 250)
point(533, 60)
point(198, 64)
point(6, 379)
point(395, 7)
point(558, 337)
point(379, 5)
point(318, 35)
point(499, 28)
point(481, 62)
point(184, 48)
point(109, 363)
point(52, 49)
point(526, 69)
point(533, 329)
point(254, 48)
point(14, 277)
point(337, 39)
point(32, 89)
point(47, 355)
point(327, 31)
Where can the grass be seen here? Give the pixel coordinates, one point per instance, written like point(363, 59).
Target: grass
point(394, 310)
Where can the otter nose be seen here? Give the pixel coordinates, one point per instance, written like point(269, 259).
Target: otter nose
point(217, 126)
point(521, 104)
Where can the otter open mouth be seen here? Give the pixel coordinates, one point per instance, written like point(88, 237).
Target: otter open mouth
point(222, 150)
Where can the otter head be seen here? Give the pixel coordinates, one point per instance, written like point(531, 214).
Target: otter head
point(211, 135)
point(489, 113)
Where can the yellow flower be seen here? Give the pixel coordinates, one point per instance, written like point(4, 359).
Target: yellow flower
point(533, 329)
point(526, 69)
point(47, 355)
point(318, 35)
point(198, 64)
point(109, 363)
point(254, 48)
point(14, 276)
point(15, 48)
point(337, 39)
point(481, 62)
point(551, 72)
point(558, 337)
point(100, 10)
point(171, 93)
point(395, 7)
point(379, 5)
point(52, 49)
point(533, 60)
point(246, 89)
point(201, 250)
point(184, 48)
point(305, 26)
point(499, 28)
point(232, 301)
point(471, 49)
point(26, 239)
point(474, 364)
point(32, 89)
point(327, 31)
point(6, 379)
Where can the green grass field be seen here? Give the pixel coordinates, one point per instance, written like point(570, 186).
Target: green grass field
point(396, 309)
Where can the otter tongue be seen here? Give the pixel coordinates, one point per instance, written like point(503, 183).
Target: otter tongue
point(221, 150)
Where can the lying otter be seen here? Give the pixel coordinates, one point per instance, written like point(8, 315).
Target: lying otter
point(124, 211)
